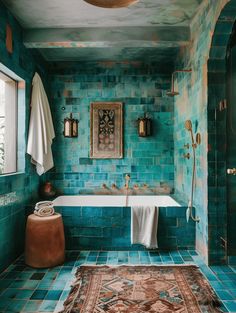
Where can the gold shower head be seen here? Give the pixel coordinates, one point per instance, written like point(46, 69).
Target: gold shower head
point(172, 93)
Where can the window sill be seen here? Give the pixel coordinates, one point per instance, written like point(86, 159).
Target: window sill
point(11, 174)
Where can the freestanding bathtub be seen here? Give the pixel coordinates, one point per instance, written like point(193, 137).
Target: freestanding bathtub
point(102, 222)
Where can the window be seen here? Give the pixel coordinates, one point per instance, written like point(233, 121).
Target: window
point(12, 122)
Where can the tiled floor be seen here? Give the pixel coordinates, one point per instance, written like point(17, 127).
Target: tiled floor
point(23, 289)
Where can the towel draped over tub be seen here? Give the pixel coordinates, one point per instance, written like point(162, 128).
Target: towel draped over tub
point(41, 131)
point(144, 222)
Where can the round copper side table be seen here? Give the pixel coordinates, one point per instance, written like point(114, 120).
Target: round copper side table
point(44, 241)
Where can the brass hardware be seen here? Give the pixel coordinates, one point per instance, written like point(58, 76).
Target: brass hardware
point(198, 138)
point(188, 125)
point(231, 171)
point(189, 211)
point(173, 92)
point(223, 243)
point(127, 179)
point(223, 105)
point(70, 127)
point(144, 126)
point(186, 146)
point(187, 156)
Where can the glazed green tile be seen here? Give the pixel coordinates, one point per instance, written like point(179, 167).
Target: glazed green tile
point(31, 284)
point(32, 306)
point(39, 294)
point(15, 305)
point(53, 295)
point(17, 191)
point(24, 294)
point(47, 306)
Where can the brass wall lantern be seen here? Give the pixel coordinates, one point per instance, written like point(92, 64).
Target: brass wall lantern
point(144, 126)
point(70, 127)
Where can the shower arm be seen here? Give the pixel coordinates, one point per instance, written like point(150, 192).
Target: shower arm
point(173, 77)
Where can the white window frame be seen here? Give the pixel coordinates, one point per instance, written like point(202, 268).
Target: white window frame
point(14, 143)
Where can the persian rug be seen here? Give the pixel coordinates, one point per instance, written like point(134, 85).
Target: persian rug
point(125, 289)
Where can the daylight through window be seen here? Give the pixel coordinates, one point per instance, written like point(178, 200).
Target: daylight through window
point(8, 124)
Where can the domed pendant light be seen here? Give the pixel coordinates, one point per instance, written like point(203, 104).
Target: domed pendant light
point(111, 4)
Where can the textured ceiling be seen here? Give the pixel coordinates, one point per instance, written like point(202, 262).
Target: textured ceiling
point(70, 30)
point(77, 13)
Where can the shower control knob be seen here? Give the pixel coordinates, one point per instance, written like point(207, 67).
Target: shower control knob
point(231, 171)
point(187, 156)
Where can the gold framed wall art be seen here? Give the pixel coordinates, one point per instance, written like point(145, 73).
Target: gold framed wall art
point(106, 130)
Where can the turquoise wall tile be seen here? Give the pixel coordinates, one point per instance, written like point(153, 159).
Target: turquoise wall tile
point(111, 230)
point(17, 190)
point(200, 94)
point(148, 160)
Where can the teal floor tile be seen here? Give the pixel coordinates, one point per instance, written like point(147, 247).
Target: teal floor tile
point(15, 305)
point(230, 305)
point(39, 294)
point(4, 302)
point(24, 294)
point(133, 254)
point(18, 283)
point(32, 306)
point(47, 306)
point(91, 259)
point(44, 290)
point(53, 295)
point(64, 295)
point(10, 293)
point(31, 284)
point(224, 295)
point(45, 284)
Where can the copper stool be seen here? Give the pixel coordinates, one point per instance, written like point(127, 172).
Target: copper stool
point(44, 241)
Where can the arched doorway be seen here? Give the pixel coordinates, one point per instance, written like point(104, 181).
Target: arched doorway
point(221, 213)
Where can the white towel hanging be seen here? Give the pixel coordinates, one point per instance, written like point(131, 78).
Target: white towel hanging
point(144, 223)
point(41, 131)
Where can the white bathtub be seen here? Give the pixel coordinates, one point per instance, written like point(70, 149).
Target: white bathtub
point(114, 201)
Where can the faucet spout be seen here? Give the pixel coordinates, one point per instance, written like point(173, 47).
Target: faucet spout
point(127, 179)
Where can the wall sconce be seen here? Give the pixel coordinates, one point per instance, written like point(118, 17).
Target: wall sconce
point(70, 127)
point(144, 126)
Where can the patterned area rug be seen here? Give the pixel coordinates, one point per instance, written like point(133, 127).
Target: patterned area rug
point(139, 289)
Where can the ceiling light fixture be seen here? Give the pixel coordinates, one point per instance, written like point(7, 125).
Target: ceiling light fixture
point(111, 4)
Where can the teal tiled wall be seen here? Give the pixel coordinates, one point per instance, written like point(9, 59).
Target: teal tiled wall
point(16, 190)
point(108, 228)
point(221, 212)
point(199, 102)
point(141, 89)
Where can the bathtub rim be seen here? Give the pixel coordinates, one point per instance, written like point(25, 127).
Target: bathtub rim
point(120, 201)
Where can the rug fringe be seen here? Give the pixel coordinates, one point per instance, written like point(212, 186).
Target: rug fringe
point(208, 296)
point(75, 289)
point(138, 265)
